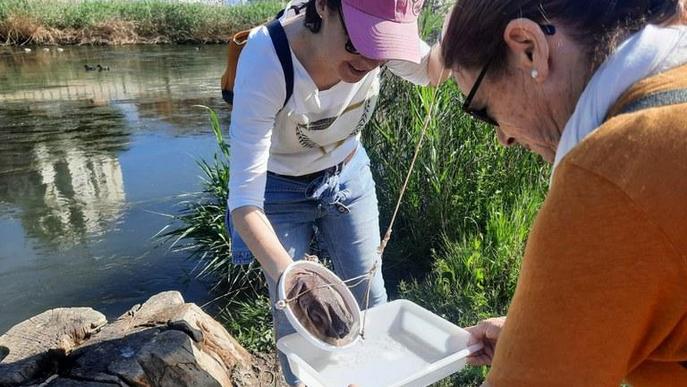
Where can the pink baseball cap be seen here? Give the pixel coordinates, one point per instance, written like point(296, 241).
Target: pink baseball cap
point(384, 29)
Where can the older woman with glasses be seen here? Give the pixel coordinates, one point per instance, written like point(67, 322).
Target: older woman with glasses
point(297, 164)
point(599, 89)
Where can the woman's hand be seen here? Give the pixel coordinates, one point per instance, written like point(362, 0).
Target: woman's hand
point(487, 333)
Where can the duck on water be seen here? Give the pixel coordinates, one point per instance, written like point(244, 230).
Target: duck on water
point(97, 67)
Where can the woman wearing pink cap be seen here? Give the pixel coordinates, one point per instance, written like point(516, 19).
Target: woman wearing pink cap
point(297, 164)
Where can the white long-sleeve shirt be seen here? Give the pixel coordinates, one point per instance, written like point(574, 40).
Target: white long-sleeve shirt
point(315, 130)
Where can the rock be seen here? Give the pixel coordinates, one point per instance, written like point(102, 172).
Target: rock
point(164, 342)
point(35, 346)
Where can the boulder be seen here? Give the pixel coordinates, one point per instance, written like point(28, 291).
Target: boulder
point(164, 342)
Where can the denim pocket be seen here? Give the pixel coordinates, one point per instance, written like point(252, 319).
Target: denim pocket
point(356, 177)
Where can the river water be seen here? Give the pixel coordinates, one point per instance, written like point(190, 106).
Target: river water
point(89, 162)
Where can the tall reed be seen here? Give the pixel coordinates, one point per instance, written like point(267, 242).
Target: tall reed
point(200, 231)
point(122, 22)
point(461, 172)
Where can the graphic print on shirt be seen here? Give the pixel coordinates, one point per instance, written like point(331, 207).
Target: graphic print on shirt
point(367, 114)
point(325, 123)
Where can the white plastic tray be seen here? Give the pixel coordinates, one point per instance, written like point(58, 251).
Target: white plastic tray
point(405, 345)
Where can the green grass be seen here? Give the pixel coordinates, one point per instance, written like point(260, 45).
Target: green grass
point(461, 172)
point(48, 21)
point(250, 322)
point(474, 277)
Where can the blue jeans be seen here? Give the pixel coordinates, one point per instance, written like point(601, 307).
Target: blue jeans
point(342, 206)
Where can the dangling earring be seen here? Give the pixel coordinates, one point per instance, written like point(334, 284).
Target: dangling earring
point(534, 73)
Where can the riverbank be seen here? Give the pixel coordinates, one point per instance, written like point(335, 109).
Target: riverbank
point(118, 22)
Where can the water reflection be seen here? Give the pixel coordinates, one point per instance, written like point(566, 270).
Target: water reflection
point(86, 159)
point(60, 168)
point(90, 196)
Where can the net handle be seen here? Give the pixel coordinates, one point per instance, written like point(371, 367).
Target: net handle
point(425, 125)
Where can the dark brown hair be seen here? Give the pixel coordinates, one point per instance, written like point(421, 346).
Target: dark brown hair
point(312, 20)
point(475, 31)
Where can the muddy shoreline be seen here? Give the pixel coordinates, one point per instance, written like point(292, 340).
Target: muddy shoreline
point(113, 33)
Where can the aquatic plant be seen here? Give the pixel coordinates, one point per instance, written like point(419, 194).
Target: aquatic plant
point(199, 230)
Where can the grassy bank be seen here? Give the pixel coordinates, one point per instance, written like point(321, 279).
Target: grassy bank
point(460, 235)
point(46, 22)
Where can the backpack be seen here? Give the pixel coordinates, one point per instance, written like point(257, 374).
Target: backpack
point(281, 46)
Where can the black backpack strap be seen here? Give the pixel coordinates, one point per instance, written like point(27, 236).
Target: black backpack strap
point(664, 98)
point(295, 8)
point(281, 46)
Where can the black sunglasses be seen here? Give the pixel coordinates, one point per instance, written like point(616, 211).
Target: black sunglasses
point(349, 45)
point(481, 114)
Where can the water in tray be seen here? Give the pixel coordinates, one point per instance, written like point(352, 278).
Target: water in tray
point(366, 358)
point(404, 345)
